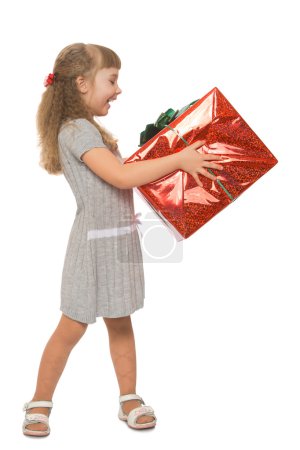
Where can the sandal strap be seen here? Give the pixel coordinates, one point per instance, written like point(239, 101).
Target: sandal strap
point(36, 418)
point(140, 411)
point(126, 397)
point(38, 404)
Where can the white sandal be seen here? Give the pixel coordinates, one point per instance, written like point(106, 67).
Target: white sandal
point(36, 418)
point(135, 413)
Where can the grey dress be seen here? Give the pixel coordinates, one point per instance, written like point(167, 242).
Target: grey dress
point(103, 271)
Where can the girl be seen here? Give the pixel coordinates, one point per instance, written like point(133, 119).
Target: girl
point(103, 268)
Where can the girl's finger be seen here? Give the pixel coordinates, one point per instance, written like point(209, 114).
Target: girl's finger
point(207, 174)
point(196, 178)
point(198, 144)
point(210, 157)
point(212, 165)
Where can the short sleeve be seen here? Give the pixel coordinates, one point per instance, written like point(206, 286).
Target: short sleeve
point(79, 136)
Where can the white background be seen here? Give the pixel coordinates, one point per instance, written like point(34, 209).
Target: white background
point(218, 338)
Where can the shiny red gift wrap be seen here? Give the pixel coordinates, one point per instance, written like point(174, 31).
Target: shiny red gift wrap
point(177, 199)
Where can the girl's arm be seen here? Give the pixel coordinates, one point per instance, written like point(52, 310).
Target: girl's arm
point(126, 176)
point(189, 160)
point(139, 173)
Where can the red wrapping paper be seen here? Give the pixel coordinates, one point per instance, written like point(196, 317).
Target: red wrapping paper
point(181, 204)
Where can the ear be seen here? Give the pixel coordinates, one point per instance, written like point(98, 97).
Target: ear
point(82, 84)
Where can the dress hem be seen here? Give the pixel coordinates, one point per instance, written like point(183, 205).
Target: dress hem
point(91, 318)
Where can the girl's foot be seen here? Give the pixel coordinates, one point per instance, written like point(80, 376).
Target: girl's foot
point(131, 404)
point(37, 426)
point(127, 407)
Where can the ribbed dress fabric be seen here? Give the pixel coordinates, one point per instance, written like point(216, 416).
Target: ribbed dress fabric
point(103, 272)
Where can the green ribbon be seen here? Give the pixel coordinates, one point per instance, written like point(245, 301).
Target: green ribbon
point(162, 122)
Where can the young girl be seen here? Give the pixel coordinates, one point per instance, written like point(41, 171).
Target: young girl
point(103, 268)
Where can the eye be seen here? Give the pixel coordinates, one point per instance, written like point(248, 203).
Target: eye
point(112, 82)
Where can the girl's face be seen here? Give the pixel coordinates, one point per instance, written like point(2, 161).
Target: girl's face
point(103, 90)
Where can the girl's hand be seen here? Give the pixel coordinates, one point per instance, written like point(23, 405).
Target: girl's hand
point(193, 162)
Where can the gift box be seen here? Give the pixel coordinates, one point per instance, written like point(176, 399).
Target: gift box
point(176, 198)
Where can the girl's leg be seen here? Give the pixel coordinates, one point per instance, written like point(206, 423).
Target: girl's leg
point(54, 359)
point(122, 350)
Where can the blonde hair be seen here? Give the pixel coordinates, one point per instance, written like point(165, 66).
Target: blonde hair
point(62, 102)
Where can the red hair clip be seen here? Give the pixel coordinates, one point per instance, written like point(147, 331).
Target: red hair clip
point(49, 79)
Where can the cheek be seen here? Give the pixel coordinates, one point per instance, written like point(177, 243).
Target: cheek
point(100, 97)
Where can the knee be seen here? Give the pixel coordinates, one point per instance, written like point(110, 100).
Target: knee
point(118, 324)
point(71, 331)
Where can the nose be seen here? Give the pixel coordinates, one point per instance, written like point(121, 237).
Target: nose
point(118, 91)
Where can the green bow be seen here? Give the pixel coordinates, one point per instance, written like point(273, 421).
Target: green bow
point(163, 120)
